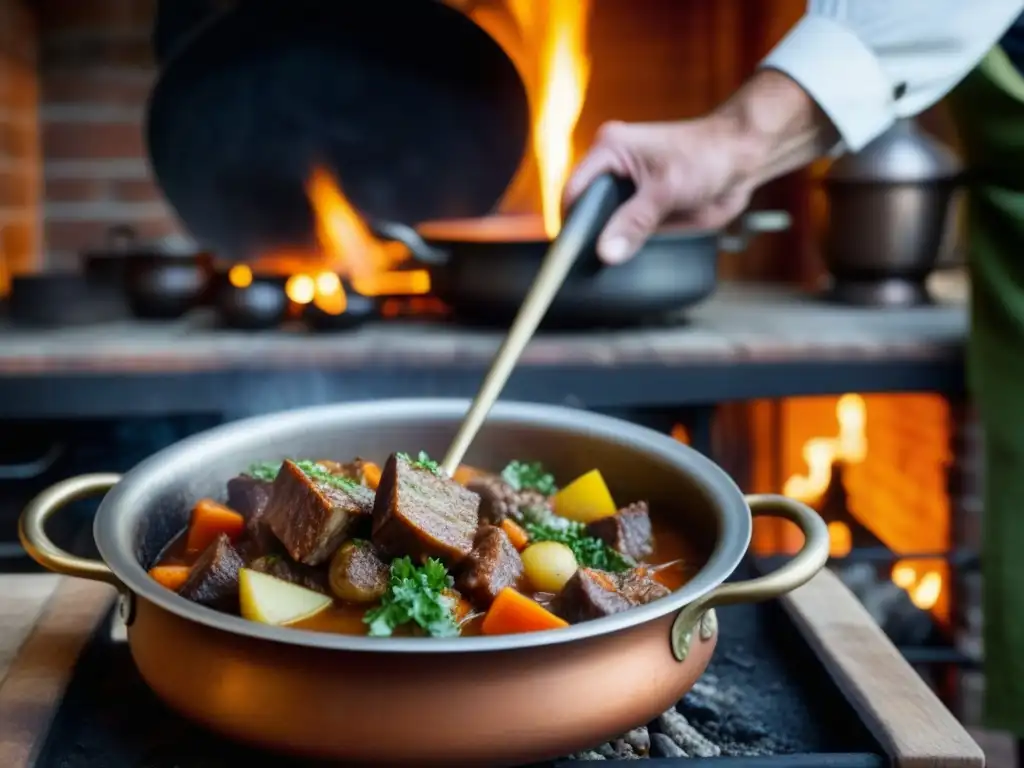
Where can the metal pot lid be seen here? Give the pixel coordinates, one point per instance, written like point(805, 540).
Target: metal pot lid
point(904, 153)
point(415, 110)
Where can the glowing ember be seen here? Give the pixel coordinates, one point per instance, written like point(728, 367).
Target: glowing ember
point(300, 288)
point(840, 539)
point(681, 433)
point(330, 296)
point(555, 32)
point(240, 276)
point(924, 586)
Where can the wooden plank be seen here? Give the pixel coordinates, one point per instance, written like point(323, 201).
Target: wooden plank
point(22, 599)
point(913, 727)
point(36, 680)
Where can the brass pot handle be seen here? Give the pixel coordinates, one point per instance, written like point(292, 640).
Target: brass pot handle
point(699, 615)
point(32, 527)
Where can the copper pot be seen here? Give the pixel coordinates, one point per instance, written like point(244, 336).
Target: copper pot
point(448, 702)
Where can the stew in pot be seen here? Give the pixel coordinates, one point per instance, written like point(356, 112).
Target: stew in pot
point(402, 549)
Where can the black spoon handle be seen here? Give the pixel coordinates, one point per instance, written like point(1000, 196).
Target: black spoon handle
point(589, 215)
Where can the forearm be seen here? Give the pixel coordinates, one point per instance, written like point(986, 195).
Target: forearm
point(775, 127)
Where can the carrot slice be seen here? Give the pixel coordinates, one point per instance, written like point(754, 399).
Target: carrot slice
point(371, 475)
point(461, 607)
point(209, 520)
point(520, 539)
point(170, 576)
point(513, 612)
point(464, 473)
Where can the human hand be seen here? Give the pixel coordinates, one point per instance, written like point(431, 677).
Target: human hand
point(689, 173)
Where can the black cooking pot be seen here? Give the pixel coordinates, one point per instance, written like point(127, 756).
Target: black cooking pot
point(258, 305)
point(482, 268)
point(155, 283)
point(412, 106)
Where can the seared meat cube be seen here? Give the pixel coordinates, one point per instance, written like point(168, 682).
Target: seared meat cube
point(591, 594)
point(499, 500)
point(358, 573)
point(213, 580)
point(627, 531)
point(492, 565)
point(248, 496)
point(284, 568)
point(423, 514)
point(313, 515)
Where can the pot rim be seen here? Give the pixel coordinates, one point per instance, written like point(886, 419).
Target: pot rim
point(115, 542)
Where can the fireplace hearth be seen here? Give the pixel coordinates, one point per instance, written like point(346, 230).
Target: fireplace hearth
point(887, 472)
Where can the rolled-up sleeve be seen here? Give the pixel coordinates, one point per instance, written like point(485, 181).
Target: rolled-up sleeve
point(869, 62)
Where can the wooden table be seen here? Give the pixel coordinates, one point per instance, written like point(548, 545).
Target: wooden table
point(46, 621)
point(746, 341)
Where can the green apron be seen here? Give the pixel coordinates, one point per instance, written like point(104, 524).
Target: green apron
point(989, 111)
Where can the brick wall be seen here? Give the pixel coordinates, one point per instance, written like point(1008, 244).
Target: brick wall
point(19, 144)
point(95, 71)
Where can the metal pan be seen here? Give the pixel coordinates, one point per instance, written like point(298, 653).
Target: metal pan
point(404, 701)
point(483, 268)
point(414, 108)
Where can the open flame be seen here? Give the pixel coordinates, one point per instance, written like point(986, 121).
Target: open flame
point(820, 453)
point(352, 252)
point(922, 583)
point(348, 251)
point(554, 32)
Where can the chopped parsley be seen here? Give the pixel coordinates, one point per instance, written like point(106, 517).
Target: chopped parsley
point(529, 476)
point(422, 461)
point(590, 552)
point(267, 471)
point(264, 470)
point(415, 596)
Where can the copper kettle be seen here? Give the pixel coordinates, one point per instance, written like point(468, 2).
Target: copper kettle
point(890, 210)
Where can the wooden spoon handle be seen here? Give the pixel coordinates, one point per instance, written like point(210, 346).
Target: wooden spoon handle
point(579, 233)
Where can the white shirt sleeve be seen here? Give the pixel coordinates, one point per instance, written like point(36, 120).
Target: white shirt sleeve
point(868, 62)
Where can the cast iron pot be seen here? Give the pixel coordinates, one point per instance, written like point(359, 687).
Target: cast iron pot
point(482, 268)
point(469, 701)
point(155, 283)
point(259, 305)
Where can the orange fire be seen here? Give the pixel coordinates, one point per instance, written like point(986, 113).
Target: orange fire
point(554, 35)
point(348, 250)
point(923, 581)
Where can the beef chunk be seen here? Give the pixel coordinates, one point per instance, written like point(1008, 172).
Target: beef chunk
point(312, 516)
point(499, 500)
point(213, 580)
point(591, 594)
point(492, 565)
point(359, 573)
point(248, 496)
point(284, 568)
point(627, 531)
point(422, 514)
